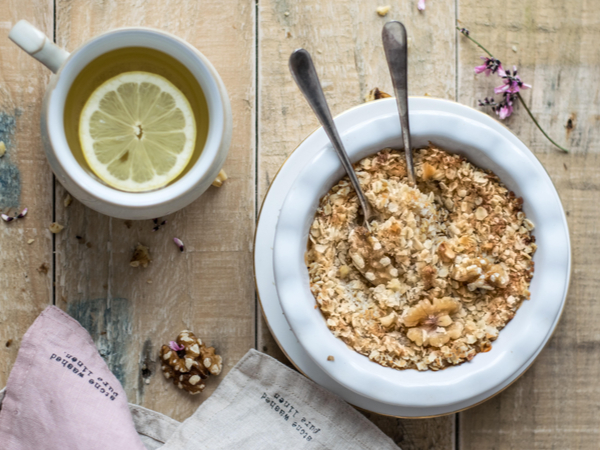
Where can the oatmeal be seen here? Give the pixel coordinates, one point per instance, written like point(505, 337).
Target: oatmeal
point(443, 269)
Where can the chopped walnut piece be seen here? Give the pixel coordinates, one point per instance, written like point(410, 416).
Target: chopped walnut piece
point(368, 256)
point(376, 94)
point(141, 256)
point(390, 320)
point(446, 253)
point(480, 273)
point(428, 172)
point(428, 274)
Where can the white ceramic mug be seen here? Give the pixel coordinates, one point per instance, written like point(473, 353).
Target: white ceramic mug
point(85, 186)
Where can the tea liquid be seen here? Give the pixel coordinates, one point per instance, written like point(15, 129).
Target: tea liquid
point(127, 60)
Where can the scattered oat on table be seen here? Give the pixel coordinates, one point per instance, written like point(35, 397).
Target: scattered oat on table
point(2, 148)
point(443, 271)
point(68, 200)
point(221, 177)
point(30, 241)
point(383, 10)
point(330, 358)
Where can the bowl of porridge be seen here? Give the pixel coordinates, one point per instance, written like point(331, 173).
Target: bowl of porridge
point(459, 282)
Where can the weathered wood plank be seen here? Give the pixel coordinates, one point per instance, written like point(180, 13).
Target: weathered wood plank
point(553, 404)
point(25, 181)
point(208, 288)
point(344, 38)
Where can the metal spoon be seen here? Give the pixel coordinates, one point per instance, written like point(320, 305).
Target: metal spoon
point(304, 74)
point(395, 47)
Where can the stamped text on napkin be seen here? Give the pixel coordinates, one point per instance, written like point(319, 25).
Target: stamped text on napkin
point(286, 410)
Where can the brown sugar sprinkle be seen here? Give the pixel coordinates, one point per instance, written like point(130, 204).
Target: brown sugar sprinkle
point(441, 273)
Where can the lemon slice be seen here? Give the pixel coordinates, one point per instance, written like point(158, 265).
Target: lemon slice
point(137, 131)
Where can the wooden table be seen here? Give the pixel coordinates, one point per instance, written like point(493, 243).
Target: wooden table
point(130, 312)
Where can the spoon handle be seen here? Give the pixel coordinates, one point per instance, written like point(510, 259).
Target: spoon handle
point(395, 47)
point(304, 74)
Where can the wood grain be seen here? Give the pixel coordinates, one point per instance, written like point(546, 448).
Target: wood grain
point(25, 181)
point(555, 47)
point(344, 38)
point(131, 312)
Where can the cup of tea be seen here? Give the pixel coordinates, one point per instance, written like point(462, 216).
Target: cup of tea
point(136, 123)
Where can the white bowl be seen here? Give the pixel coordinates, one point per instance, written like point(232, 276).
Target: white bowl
point(487, 144)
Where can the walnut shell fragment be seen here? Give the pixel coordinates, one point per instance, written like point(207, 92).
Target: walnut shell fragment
point(188, 362)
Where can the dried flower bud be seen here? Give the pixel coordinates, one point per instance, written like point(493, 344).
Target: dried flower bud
point(175, 346)
point(158, 225)
point(179, 244)
point(22, 214)
point(7, 218)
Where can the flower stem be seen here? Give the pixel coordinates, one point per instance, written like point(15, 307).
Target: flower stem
point(476, 43)
point(538, 125)
point(518, 95)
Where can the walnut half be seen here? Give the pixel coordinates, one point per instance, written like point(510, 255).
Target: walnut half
point(431, 323)
point(187, 361)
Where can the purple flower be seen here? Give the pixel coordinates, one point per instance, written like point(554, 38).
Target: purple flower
point(512, 82)
point(421, 5)
point(175, 346)
point(491, 66)
point(503, 109)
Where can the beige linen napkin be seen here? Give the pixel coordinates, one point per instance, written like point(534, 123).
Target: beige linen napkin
point(262, 404)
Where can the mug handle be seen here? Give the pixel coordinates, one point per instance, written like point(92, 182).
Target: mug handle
point(37, 44)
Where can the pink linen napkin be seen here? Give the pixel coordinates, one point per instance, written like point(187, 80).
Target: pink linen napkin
point(61, 395)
